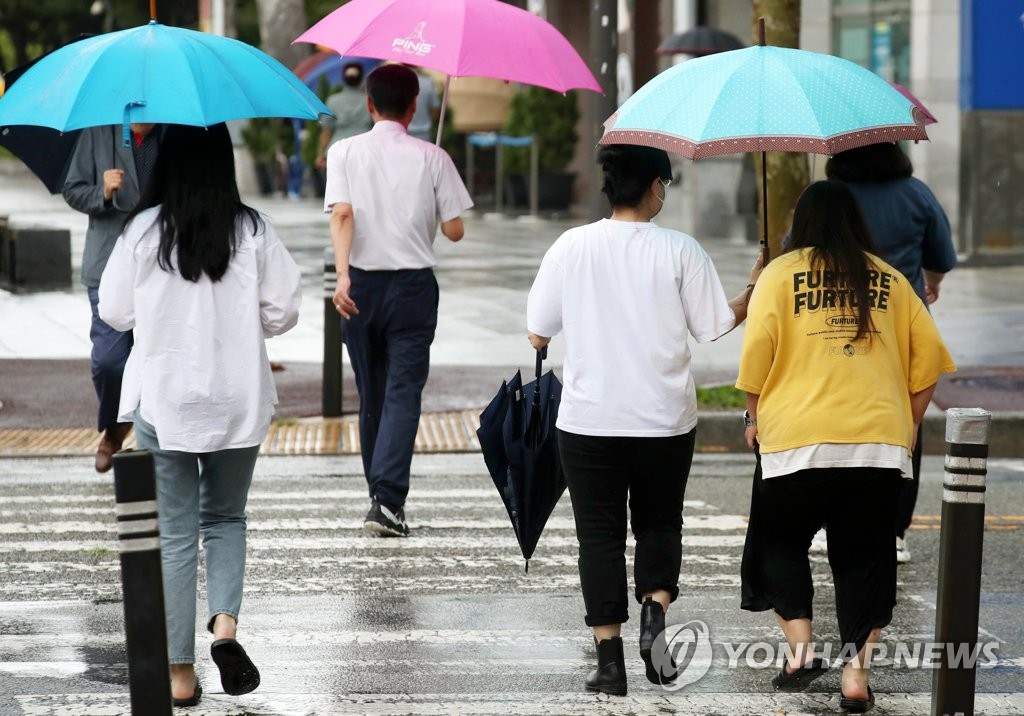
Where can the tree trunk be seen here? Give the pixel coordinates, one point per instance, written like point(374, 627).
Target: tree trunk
point(788, 172)
point(281, 21)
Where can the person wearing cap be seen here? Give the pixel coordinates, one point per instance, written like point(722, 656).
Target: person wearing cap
point(349, 108)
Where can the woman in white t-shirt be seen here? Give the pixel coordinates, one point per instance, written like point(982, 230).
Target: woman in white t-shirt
point(627, 293)
point(201, 278)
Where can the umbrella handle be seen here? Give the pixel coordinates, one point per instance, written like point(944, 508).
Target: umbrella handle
point(541, 355)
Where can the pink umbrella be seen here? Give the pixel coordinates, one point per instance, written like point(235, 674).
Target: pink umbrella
point(462, 38)
point(929, 118)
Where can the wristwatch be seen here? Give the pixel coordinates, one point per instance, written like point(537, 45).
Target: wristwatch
point(747, 420)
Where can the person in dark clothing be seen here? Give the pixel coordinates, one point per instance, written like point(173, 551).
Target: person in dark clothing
point(105, 179)
point(910, 231)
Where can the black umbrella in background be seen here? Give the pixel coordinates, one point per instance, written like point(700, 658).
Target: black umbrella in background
point(699, 41)
point(517, 438)
point(47, 152)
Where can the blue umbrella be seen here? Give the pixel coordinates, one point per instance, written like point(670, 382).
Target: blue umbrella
point(761, 99)
point(157, 74)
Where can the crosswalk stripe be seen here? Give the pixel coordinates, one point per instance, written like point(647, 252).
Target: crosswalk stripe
point(697, 522)
point(643, 700)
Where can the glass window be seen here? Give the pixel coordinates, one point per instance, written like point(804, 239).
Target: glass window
point(875, 34)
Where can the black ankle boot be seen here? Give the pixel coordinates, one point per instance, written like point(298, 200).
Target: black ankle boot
point(610, 675)
point(652, 623)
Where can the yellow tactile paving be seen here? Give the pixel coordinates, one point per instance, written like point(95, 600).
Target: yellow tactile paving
point(438, 432)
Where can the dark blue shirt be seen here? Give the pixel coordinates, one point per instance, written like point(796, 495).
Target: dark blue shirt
point(910, 230)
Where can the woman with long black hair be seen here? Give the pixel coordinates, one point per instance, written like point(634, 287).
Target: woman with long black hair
point(839, 361)
point(201, 278)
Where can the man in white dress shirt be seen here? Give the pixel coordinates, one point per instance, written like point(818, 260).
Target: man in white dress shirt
point(387, 192)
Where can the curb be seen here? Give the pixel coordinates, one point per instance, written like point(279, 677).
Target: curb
point(455, 432)
point(723, 432)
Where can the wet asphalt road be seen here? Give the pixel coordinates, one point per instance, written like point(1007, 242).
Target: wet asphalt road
point(447, 622)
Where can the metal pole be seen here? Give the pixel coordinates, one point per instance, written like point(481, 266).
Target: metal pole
point(145, 626)
point(444, 108)
point(470, 167)
point(534, 176)
point(331, 391)
point(499, 177)
point(960, 554)
point(604, 51)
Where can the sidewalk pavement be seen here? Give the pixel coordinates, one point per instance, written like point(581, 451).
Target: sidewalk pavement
point(480, 337)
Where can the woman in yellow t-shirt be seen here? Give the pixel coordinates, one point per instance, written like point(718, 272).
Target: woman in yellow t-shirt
point(839, 361)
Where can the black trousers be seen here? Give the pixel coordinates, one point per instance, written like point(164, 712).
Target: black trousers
point(605, 475)
point(860, 506)
point(908, 490)
point(388, 343)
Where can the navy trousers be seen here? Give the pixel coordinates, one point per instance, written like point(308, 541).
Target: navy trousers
point(388, 343)
point(110, 349)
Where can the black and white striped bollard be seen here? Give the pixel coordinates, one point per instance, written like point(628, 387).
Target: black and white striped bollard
point(960, 554)
point(145, 623)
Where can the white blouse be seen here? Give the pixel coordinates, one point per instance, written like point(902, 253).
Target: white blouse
point(199, 371)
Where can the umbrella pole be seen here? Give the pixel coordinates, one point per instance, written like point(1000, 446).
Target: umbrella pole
point(444, 106)
point(765, 253)
point(764, 171)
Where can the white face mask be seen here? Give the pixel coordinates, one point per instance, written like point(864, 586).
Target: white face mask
point(666, 183)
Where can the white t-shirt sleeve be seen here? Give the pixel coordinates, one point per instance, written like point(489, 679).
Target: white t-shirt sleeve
point(336, 190)
point(451, 193)
point(544, 304)
point(708, 314)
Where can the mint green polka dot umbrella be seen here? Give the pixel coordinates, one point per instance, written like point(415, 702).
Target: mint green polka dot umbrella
point(764, 98)
point(761, 99)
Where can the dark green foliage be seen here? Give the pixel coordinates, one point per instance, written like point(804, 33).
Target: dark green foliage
point(30, 28)
point(311, 139)
point(260, 136)
point(549, 116)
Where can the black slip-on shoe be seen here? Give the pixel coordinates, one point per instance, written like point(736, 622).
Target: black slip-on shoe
point(801, 678)
point(238, 675)
point(857, 706)
point(192, 700)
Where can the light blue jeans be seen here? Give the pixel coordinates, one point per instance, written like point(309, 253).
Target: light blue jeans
point(199, 494)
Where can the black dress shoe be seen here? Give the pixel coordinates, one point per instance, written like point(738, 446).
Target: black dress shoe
point(610, 675)
point(652, 624)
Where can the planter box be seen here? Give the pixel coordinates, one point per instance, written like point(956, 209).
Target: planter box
point(34, 258)
point(554, 191)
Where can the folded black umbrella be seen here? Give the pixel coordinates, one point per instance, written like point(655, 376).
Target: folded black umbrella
point(519, 445)
point(47, 152)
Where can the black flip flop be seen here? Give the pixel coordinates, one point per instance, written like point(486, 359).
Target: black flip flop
point(192, 700)
point(238, 675)
point(801, 678)
point(857, 706)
